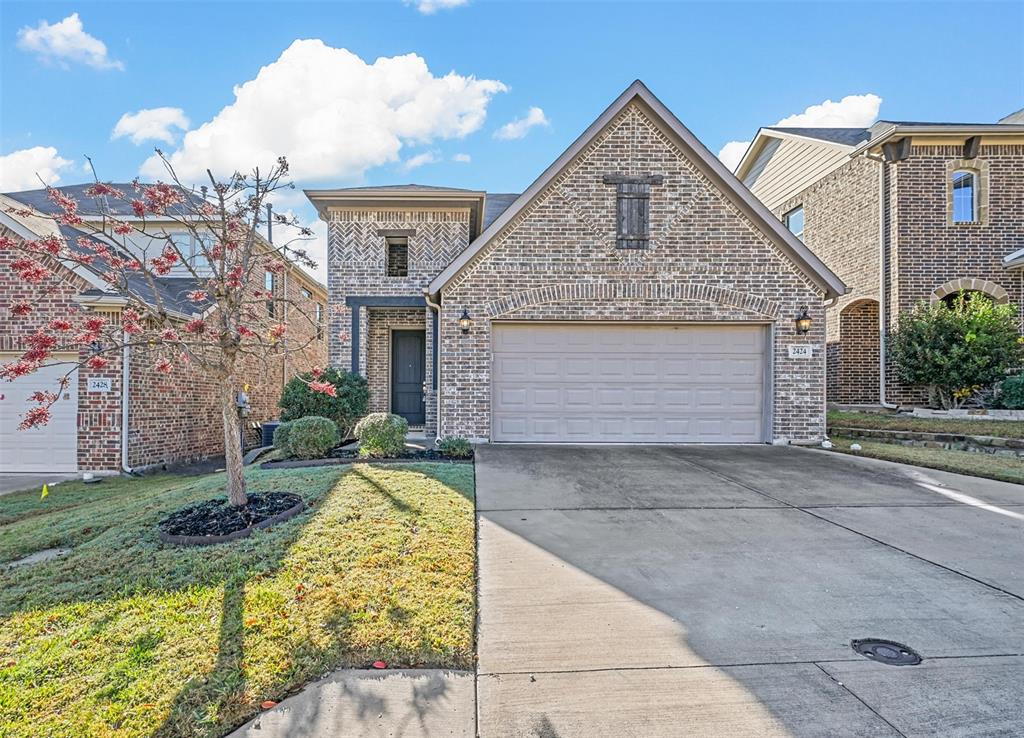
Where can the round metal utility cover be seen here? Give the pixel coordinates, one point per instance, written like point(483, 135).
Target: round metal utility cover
point(886, 652)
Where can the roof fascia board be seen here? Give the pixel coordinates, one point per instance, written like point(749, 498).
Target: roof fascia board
point(983, 129)
point(760, 139)
point(29, 235)
point(725, 180)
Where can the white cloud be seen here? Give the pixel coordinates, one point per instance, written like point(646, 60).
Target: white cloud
point(332, 114)
point(427, 157)
point(519, 127)
point(853, 111)
point(429, 7)
point(66, 41)
point(22, 169)
point(462, 158)
point(151, 124)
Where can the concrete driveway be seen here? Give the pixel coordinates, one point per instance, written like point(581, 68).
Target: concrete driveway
point(714, 591)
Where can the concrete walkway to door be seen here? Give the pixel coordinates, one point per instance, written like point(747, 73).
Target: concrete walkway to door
point(714, 591)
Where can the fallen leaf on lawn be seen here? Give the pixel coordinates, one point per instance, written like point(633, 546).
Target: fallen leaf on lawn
point(267, 704)
point(380, 665)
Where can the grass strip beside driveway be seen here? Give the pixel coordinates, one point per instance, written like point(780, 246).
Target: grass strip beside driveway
point(839, 419)
point(990, 466)
point(129, 637)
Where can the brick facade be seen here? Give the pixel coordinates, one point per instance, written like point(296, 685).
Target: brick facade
point(557, 260)
point(357, 266)
point(172, 418)
point(926, 254)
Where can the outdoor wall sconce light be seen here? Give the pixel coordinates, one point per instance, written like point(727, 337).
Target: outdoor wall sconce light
point(465, 322)
point(803, 321)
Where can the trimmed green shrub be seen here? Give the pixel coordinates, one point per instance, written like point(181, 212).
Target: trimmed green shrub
point(956, 350)
point(312, 437)
point(455, 447)
point(1011, 392)
point(350, 404)
point(382, 434)
point(281, 438)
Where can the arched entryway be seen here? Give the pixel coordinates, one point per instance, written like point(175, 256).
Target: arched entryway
point(854, 380)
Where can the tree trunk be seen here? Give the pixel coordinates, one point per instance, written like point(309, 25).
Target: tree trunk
point(232, 444)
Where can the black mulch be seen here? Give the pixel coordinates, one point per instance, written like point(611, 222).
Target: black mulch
point(412, 454)
point(217, 518)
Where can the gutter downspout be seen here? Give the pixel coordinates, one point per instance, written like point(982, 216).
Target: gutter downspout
point(436, 307)
point(125, 358)
point(882, 312)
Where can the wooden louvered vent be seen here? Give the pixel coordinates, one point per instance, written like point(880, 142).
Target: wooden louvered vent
point(632, 209)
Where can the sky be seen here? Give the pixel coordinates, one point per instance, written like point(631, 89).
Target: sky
point(463, 93)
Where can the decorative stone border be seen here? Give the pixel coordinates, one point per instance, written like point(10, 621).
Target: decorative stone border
point(1011, 447)
point(179, 540)
point(334, 461)
point(969, 414)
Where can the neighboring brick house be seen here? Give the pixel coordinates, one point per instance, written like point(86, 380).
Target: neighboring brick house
point(910, 211)
point(635, 292)
point(167, 418)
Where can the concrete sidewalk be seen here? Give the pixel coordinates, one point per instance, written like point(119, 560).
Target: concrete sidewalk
point(358, 703)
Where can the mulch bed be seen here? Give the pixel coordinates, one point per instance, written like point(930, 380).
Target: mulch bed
point(351, 456)
point(215, 521)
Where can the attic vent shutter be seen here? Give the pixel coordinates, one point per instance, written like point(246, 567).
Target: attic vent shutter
point(632, 209)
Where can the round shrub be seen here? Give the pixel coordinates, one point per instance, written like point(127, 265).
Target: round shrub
point(281, 438)
point(350, 403)
point(455, 447)
point(1011, 392)
point(382, 434)
point(312, 437)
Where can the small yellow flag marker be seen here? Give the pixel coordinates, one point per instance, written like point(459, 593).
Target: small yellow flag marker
point(46, 492)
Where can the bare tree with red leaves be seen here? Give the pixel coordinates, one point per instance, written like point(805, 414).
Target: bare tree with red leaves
point(228, 322)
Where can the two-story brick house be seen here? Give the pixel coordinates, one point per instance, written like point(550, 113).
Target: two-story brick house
point(902, 212)
point(635, 292)
point(128, 415)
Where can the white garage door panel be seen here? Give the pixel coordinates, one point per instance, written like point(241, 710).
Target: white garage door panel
point(628, 383)
point(49, 448)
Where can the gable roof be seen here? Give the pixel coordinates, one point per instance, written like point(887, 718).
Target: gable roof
point(707, 162)
point(90, 206)
point(844, 136)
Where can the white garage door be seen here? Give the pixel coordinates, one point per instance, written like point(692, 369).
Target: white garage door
point(594, 383)
point(50, 448)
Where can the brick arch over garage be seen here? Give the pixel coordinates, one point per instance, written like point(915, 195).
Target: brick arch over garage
point(567, 292)
point(853, 360)
point(971, 284)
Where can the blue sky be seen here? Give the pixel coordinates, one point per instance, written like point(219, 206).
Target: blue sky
point(724, 68)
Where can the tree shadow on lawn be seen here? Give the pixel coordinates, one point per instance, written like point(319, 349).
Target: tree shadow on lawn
point(276, 572)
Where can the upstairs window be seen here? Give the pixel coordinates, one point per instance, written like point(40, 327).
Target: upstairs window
point(398, 256)
point(965, 196)
point(269, 283)
point(632, 209)
point(794, 221)
point(307, 294)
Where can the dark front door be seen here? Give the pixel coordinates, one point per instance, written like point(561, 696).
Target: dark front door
point(408, 365)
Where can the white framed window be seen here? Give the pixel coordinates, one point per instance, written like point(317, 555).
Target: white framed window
point(269, 283)
point(794, 221)
point(965, 196)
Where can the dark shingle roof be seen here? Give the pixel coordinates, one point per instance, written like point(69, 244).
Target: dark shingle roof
point(845, 136)
point(172, 291)
point(497, 203)
point(88, 205)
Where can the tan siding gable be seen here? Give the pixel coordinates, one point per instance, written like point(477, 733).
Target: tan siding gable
point(792, 166)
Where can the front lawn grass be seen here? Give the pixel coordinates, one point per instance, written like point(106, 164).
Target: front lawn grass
point(990, 466)
point(129, 637)
point(839, 419)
